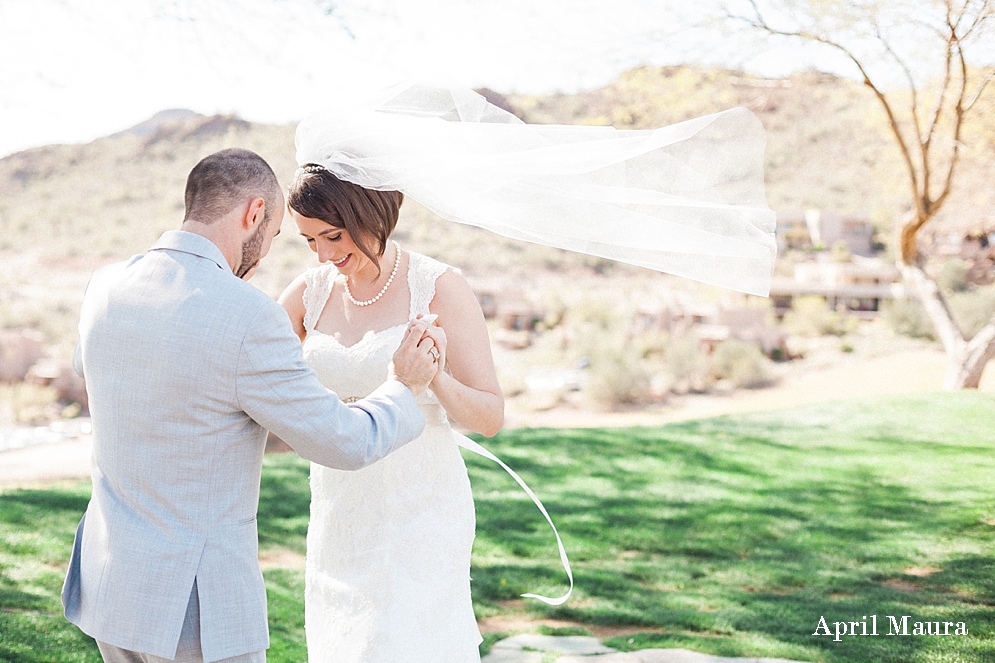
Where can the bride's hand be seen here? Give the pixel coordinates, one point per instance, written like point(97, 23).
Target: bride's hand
point(438, 336)
point(413, 363)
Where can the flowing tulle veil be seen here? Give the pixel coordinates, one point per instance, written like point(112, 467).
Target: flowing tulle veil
point(686, 199)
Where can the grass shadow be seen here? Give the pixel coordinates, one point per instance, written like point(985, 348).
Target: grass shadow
point(740, 532)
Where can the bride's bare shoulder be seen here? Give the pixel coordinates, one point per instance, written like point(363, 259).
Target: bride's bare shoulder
point(454, 296)
point(292, 301)
point(435, 274)
point(293, 294)
point(427, 263)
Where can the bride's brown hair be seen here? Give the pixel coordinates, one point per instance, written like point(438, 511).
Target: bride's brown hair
point(369, 215)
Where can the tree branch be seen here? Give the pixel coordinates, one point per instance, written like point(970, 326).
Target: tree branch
point(959, 115)
point(941, 102)
point(913, 89)
point(759, 22)
point(960, 14)
point(984, 13)
point(981, 88)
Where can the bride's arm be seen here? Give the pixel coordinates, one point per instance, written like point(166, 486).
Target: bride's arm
point(471, 394)
point(292, 300)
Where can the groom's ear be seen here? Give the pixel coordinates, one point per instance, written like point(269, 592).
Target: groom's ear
point(255, 213)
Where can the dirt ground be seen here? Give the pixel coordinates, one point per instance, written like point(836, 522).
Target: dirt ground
point(907, 371)
point(911, 371)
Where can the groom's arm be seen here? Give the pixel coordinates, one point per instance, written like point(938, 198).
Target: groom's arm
point(279, 391)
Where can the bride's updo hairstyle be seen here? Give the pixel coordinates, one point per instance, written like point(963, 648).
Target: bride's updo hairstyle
point(369, 215)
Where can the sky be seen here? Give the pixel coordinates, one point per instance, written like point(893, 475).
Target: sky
point(74, 70)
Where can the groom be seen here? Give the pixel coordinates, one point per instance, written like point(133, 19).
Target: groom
point(187, 366)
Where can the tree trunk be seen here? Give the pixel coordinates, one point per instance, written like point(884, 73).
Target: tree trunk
point(965, 370)
point(928, 293)
point(908, 249)
point(966, 359)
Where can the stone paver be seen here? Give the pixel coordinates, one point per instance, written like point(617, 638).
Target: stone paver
point(681, 656)
point(628, 657)
point(580, 649)
point(512, 656)
point(686, 656)
point(564, 644)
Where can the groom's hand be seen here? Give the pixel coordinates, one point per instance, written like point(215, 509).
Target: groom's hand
point(414, 365)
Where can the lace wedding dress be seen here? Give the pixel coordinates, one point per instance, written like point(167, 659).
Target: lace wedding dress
point(388, 547)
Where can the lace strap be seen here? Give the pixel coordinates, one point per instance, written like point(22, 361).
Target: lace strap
point(470, 445)
point(423, 272)
point(318, 284)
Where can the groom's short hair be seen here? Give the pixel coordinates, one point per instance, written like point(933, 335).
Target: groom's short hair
point(228, 178)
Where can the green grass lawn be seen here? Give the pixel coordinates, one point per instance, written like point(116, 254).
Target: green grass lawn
point(731, 535)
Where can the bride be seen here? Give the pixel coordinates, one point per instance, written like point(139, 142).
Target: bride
point(387, 575)
point(388, 549)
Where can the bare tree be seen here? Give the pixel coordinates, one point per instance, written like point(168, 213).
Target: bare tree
point(931, 45)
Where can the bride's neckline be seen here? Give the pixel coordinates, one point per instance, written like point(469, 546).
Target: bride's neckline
point(314, 333)
point(369, 333)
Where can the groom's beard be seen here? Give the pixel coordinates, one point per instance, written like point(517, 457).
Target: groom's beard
point(251, 249)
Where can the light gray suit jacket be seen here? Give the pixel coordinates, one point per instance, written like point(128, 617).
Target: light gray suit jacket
point(186, 368)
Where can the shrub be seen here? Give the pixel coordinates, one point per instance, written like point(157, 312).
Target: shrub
point(952, 276)
point(841, 252)
point(810, 316)
point(594, 315)
point(907, 317)
point(617, 376)
point(973, 309)
point(686, 363)
point(742, 363)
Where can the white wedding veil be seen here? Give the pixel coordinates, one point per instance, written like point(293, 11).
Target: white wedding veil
point(686, 199)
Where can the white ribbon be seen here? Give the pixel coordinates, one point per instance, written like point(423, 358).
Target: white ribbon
point(470, 445)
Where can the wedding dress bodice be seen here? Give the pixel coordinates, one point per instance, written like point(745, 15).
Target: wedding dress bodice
point(354, 371)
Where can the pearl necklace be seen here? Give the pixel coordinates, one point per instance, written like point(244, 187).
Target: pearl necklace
point(393, 273)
